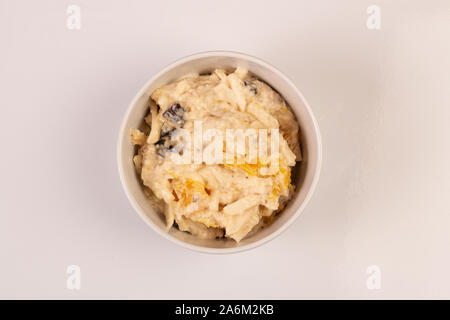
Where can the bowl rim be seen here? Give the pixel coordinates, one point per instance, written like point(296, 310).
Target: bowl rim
point(194, 247)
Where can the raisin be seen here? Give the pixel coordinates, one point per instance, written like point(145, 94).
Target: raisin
point(175, 114)
point(164, 136)
point(252, 87)
point(166, 144)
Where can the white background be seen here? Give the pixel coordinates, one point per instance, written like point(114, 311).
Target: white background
point(381, 98)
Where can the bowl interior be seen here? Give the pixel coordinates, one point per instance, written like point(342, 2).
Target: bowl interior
point(305, 174)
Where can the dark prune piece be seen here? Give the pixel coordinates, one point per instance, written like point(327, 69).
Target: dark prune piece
point(252, 87)
point(175, 114)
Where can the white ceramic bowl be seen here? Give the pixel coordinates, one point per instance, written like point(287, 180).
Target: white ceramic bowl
point(306, 174)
